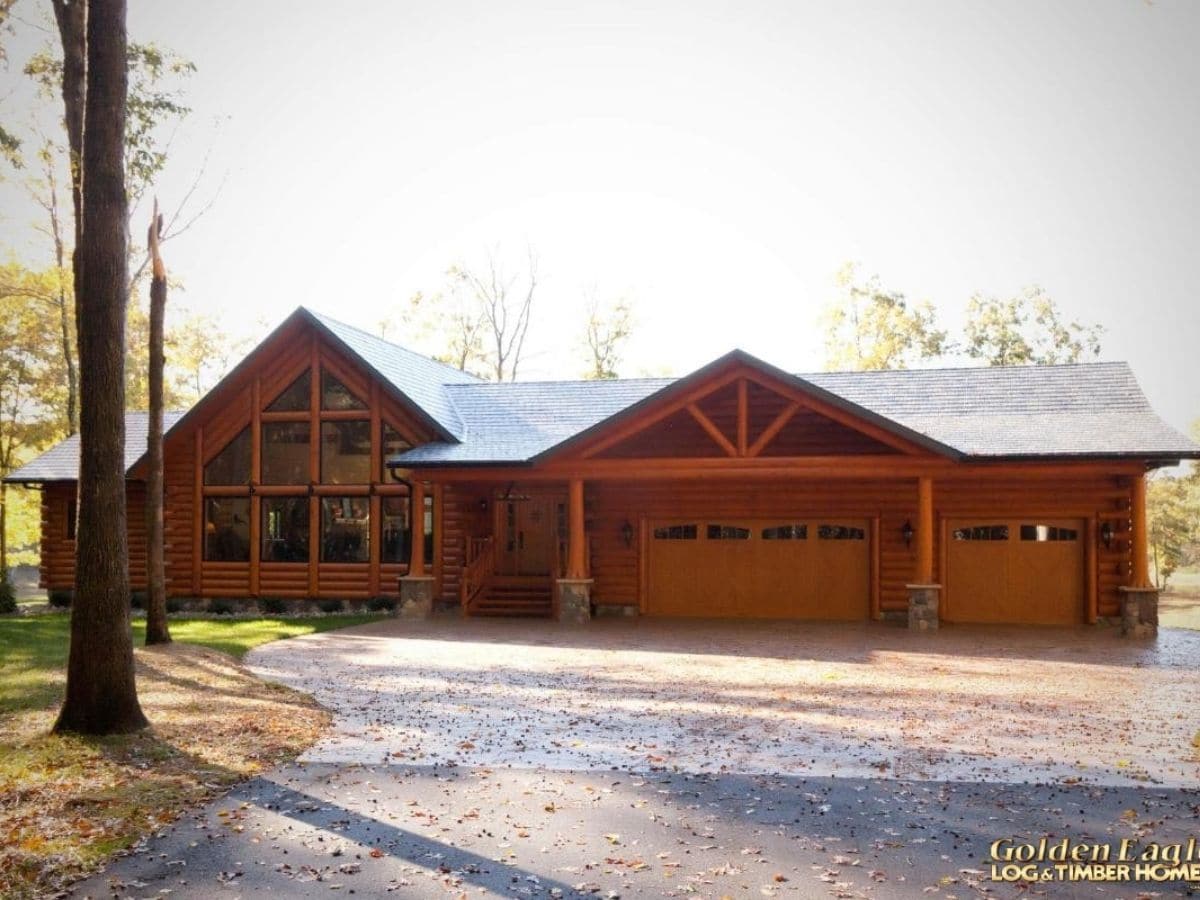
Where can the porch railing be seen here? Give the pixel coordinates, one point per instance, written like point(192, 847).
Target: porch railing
point(478, 567)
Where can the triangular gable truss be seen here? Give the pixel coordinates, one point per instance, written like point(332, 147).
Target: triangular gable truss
point(745, 409)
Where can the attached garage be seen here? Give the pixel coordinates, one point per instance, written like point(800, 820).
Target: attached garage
point(1015, 570)
point(720, 567)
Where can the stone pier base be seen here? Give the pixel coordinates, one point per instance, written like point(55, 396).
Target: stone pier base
point(416, 597)
point(1139, 612)
point(574, 600)
point(923, 601)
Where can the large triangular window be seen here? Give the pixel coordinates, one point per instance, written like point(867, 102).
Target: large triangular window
point(335, 395)
point(232, 464)
point(297, 396)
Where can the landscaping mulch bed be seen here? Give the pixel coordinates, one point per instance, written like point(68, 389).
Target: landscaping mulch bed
point(67, 803)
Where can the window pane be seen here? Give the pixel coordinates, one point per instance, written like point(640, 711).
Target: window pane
point(345, 529)
point(227, 529)
point(393, 445)
point(728, 533)
point(840, 533)
point(396, 532)
point(785, 533)
point(675, 533)
point(285, 529)
point(231, 465)
point(982, 533)
point(1043, 533)
point(296, 398)
point(345, 452)
point(335, 395)
point(285, 453)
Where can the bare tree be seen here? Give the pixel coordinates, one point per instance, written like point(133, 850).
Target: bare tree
point(605, 332)
point(101, 694)
point(157, 631)
point(505, 305)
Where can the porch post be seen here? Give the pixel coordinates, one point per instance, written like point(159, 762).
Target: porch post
point(416, 516)
point(1139, 601)
point(576, 566)
point(924, 596)
point(1140, 540)
point(924, 530)
point(574, 600)
point(416, 588)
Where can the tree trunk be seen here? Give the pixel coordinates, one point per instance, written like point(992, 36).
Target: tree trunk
point(3, 531)
point(101, 696)
point(71, 16)
point(156, 584)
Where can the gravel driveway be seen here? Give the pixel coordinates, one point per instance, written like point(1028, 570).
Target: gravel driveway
point(975, 704)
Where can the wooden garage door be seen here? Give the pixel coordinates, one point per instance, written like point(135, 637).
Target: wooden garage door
point(759, 568)
point(1026, 570)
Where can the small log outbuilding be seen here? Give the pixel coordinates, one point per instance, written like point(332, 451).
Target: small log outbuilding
point(333, 464)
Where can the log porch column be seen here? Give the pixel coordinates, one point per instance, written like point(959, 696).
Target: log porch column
point(925, 530)
point(1139, 601)
point(416, 588)
point(576, 558)
point(573, 600)
point(416, 505)
point(924, 597)
point(1140, 540)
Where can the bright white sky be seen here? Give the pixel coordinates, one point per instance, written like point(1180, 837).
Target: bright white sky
point(715, 161)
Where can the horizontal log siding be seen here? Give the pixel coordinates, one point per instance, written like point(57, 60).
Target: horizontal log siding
point(462, 518)
point(57, 568)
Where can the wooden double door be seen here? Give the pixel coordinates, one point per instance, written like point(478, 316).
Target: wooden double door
point(529, 529)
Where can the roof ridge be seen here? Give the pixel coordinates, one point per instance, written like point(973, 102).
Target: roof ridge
point(549, 381)
point(324, 317)
point(1092, 364)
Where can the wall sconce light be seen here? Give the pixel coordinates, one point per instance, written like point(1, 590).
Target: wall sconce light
point(907, 532)
point(483, 504)
point(627, 533)
point(1106, 535)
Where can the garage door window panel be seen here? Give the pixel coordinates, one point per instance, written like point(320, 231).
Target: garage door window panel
point(676, 533)
point(785, 533)
point(728, 533)
point(1048, 533)
point(841, 533)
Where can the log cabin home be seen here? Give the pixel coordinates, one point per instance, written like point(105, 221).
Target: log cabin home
point(333, 464)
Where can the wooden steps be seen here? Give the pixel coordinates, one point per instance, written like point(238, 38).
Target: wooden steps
point(516, 598)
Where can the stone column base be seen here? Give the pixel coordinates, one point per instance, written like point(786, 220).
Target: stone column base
point(416, 597)
point(574, 600)
point(923, 602)
point(1139, 612)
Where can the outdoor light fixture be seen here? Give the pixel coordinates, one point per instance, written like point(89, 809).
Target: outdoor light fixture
point(627, 533)
point(483, 504)
point(907, 532)
point(1106, 535)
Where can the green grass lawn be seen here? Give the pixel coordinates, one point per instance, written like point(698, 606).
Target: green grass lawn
point(33, 649)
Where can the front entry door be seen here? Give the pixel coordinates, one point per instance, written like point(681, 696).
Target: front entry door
point(527, 529)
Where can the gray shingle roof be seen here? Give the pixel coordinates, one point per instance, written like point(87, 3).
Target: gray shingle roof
point(418, 377)
point(61, 462)
point(515, 422)
point(1089, 409)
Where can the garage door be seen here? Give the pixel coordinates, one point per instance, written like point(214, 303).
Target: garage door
point(1026, 570)
point(760, 568)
